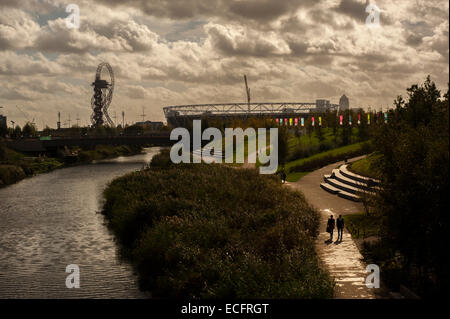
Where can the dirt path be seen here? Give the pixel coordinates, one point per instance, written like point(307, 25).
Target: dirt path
point(342, 259)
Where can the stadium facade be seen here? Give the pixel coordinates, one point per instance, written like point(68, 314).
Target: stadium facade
point(183, 115)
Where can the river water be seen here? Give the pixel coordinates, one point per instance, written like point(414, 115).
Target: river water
point(50, 221)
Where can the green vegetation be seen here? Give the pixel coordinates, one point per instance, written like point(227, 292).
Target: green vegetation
point(367, 166)
point(301, 167)
point(104, 151)
point(363, 225)
point(10, 174)
point(294, 177)
point(413, 204)
point(310, 148)
point(213, 231)
point(15, 166)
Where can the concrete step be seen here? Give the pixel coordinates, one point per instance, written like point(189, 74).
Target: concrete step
point(349, 196)
point(329, 188)
point(362, 179)
point(207, 152)
point(351, 182)
point(342, 186)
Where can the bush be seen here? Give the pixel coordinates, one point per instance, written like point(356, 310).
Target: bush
point(10, 174)
point(211, 231)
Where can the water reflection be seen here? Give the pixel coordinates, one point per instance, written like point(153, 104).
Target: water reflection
point(50, 221)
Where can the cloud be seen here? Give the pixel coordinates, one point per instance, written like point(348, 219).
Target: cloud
point(235, 40)
point(194, 51)
point(353, 8)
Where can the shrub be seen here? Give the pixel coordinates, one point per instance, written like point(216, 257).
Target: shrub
point(211, 231)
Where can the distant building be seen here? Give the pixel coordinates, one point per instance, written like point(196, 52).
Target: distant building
point(152, 125)
point(344, 103)
point(322, 105)
point(3, 122)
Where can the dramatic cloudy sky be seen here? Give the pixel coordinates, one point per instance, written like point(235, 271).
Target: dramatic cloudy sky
point(169, 52)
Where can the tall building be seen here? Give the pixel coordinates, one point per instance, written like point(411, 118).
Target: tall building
point(344, 103)
point(3, 121)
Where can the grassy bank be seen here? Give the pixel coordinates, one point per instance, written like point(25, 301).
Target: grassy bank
point(212, 231)
point(318, 141)
point(10, 174)
point(366, 166)
point(300, 167)
point(362, 225)
point(15, 166)
point(103, 152)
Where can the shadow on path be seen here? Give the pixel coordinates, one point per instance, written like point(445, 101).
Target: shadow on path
point(341, 258)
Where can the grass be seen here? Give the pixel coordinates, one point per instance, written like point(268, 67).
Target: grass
point(294, 168)
point(366, 166)
point(309, 144)
point(296, 176)
point(361, 225)
point(213, 231)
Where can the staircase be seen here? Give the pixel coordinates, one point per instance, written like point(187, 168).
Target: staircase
point(348, 185)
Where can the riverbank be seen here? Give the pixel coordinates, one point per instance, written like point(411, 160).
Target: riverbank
point(51, 221)
point(213, 231)
point(15, 166)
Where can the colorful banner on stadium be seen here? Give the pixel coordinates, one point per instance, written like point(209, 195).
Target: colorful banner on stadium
point(312, 121)
point(349, 120)
point(359, 119)
point(290, 121)
point(296, 121)
point(302, 121)
point(320, 121)
point(368, 119)
point(341, 119)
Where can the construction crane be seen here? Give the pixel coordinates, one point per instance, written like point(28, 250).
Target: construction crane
point(247, 90)
point(26, 116)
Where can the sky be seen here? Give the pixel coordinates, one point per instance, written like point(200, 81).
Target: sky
point(175, 52)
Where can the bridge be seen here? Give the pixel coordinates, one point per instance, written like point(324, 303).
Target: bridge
point(183, 114)
point(36, 145)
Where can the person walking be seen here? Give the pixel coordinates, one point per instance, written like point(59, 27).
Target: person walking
point(340, 227)
point(283, 176)
point(330, 226)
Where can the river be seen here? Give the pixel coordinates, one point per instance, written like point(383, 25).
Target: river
point(50, 221)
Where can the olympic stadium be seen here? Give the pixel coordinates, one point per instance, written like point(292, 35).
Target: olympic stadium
point(183, 115)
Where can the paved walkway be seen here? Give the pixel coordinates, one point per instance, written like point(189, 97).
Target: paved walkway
point(342, 259)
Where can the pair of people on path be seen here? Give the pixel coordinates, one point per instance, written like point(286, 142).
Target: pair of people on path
point(339, 223)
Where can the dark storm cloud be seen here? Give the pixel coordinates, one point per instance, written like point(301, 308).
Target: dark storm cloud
point(11, 3)
point(257, 10)
point(414, 40)
point(353, 8)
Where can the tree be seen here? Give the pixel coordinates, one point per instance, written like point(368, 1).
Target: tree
point(363, 129)
point(29, 130)
point(414, 198)
point(282, 145)
point(17, 133)
point(346, 132)
point(47, 131)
